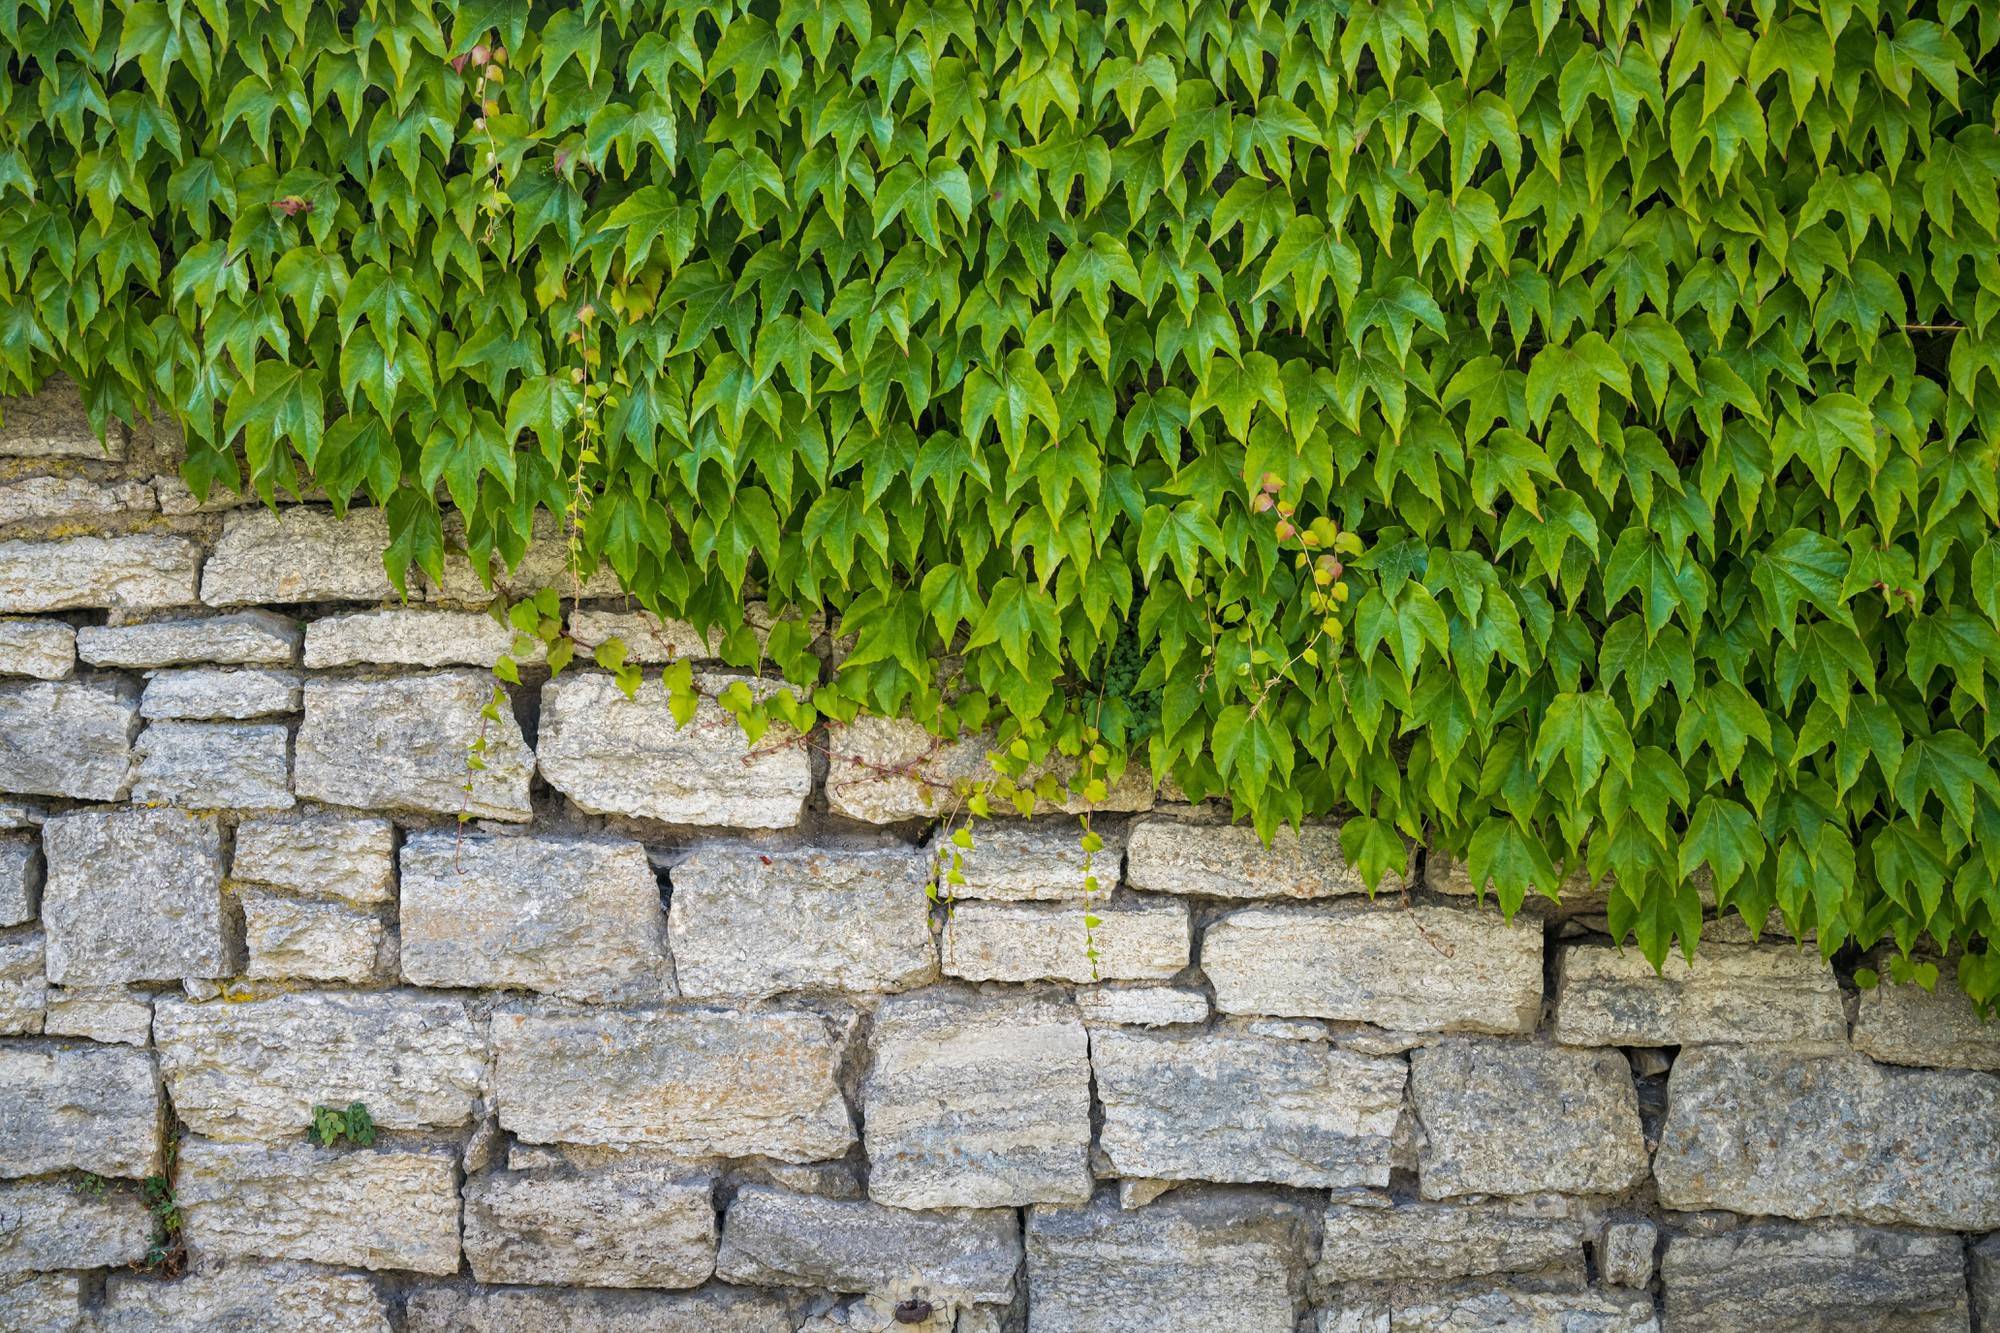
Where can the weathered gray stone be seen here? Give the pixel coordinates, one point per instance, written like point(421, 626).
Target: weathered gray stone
point(1419, 969)
point(244, 638)
point(255, 1070)
point(141, 572)
point(24, 988)
point(749, 923)
point(630, 1226)
point(205, 695)
point(20, 880)
point(320, 856)
point(544, 564)
point(555, 1310)
point(1625, 1252)
point(28, 499)
point(302, 940)
point(52, 423)
point(133, 895)
point(694, 1080)
point(889, 770)
point(1904, 1024)
point(409, 637)
point(106, 1014)
point(215, 765)
point(1430, 1307)
point(1141, 1006)
point(1193, 1262)
point(1029, 859)
point(1783, 1134)
point(618, 756)
point(1434, 1241)
point(381, 1208)
point(68, 738)
point(42, 1303)
point(1524, 1118)
point(1136, 939)
point(579, 918)
point(1819, 1279)
point(775, 1237)
point(86, 1108)
point(403, 743)
point(1729, 993)
point(1227, 1107)
point(51, 1224)
point(1983, 1278)
point(978, 1101)
point(648, 640)
point(44, 649)
point(242, 1296)
point(298, 555)
point(1218, 860)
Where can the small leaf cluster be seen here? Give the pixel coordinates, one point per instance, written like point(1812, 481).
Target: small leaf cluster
point(331, 1124)
point(1647, 348)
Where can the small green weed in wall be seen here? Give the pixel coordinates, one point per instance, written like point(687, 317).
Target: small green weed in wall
point(352, 1123)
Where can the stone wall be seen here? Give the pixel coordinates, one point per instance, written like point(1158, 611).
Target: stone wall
point(669, 1036)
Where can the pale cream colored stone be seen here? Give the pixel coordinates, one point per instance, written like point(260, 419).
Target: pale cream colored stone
point(245, 1295)
point(243, 638)
point(403, 743)
point(90, 1108)
point(298, 555)
point(1136, 940)
point(140, 572)
point(1729, 993)
point(1167, 854)
point(43, 649)
point(1904, 1024)
point(631, 1226)
point(351, 858)
point(53, 423)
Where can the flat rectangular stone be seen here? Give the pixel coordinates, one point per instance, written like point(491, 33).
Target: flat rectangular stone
point(1817, 1279)
point(403, 743)
point(715, 1309)
point(304, 940)
point(207, 695)
point(1983, 1277)
point(1516, 1117)
point(68, 737)
point(621, 1226)
point(884, 770)
point(1197, 1259)
point(751, 923)
point(346, 857)
point(31, 499)
point(140, 572)
point(215, 765)
point(1783, 1134)
point(242, 1296)
point(774, 1237)
point(255, 1070)
point(350, 1208)
point(53, 423)
point(52, 1224)
point(694, 1080)
point(20, 879)
point(1141, 1006)
point(574, 917)
point(977, 1101)
point(1904, 1024)
point(1226, 1107)
point(42, 1303)
point(409, 637)
point(1169, 855)
point(244, 638)
point(43, 649)
point(1729, 993)
point(134, 895)
point(616, 756)
point(1417, 969)
point(106, 1014)
point(648, 640)
point(1032, 859)
point(1136, 940)
point(1433, 1241)
point(24, 987)
point(1459, 1307)
point(298, 555)
point(91, 1108)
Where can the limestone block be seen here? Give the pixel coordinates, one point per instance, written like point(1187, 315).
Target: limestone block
point(402, 743)
point(1430, 1307)
point(68, 737)
point(1625, 1252)
point(1136, 939)
point(1141, 1006)
point(52, 1224)
point(298, 555)
point(24, 987)
point(28, 499)
point(139, 572)
point(133, 895)
point(1983, 1277)
point(648, 640)
point(20, 879)
point(100, 1013)
point(1817, 1279)
point(303, 940)
point(622, 1226)
point(1785, 1134)
point(694, 1080)
point(320, 856)
point(351, 1208)
point(750, 923)
point(54, 424)
point(1418, 969)
point(1729, 993)
point(714, 1309)
point(889, 770)
point(91, 1108)
point(1512, 1117)
point(422, 637)
point(243, 638)
point(245, 1295)
point(977, 1101)
point(1434, 1241)
point(1031, 859)
point(44, 649)
point(215, 765)
point(1227, 1107)
point(42, 1303)
point(1904, 1024)
point(619, 756)
point(1166, 854)
point(204, 694)
point(574, 917)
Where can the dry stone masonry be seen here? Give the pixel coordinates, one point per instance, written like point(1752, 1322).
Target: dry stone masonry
point(669, 1033)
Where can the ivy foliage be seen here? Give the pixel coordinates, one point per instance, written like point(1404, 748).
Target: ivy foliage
point(1644, 355)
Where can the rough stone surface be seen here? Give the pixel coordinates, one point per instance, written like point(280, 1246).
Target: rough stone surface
point(78, 1108)
point(141, 572)
point(1135, 939)
point(106, 1014)
point(1030, 859)
point(694, 1080)
point(1625, 1252)
point(776, 1237)
point(1415, 1239)
point(298, 555)
point(243, 1296)
point(558, 1310)
point(574, 917)
point(303, 940)
point(889, 770)
point(255, 1070)
point(1474, 1096)
point(1226, 1107)
point(402, 743)
point(648, 640)
point(1983, 1277)
point(1141, 1006)
point(29, 499)
point(68, 738)
point(320, 856)
point(978, 1101)
point(1835, 1279)
point(1192, 1262)
point(20, 880)
point(24, 987)
point(407, 637)
point(215, 765)
point(44, 649)
point(637, 1226)
point(52, 423)
point(1908, 1025)
point(208, 695)
point(619, 756)
point(51, 1224)
point(752, 923)
point(1423, 1307)
point(353, 1208)
point(133, 895)
point(42, 1303)
point(244, 638)
point(1791, 1135)
point(1216, 860)
point(1422, 969)
point(1730, 993)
